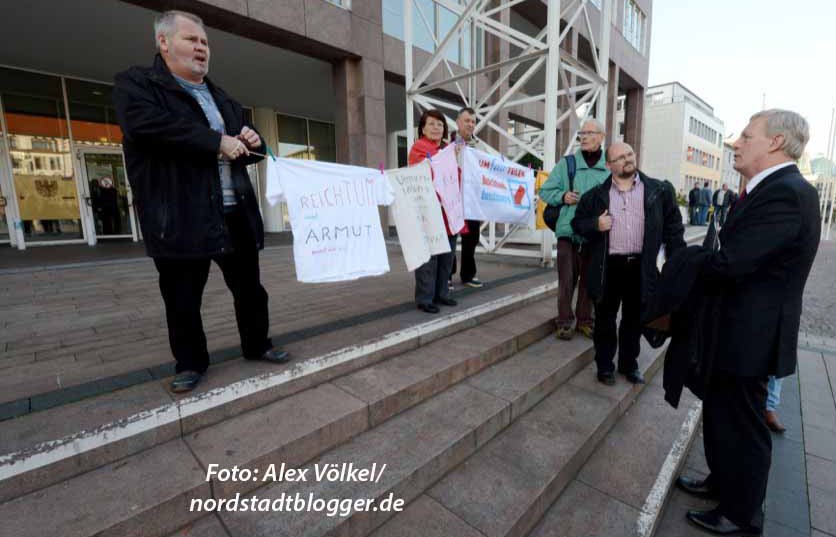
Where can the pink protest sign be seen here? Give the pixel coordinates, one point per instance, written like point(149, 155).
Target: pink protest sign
point(446, 181)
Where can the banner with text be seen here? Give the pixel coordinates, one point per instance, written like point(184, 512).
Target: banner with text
point(334, 217)
point(417, 214)
point(496, 190)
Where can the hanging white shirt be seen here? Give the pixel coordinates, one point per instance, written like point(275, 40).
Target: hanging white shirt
point(334, 217)
point(417, 213)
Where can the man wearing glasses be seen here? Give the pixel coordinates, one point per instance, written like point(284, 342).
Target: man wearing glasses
point(585, 169)
point(625, 221)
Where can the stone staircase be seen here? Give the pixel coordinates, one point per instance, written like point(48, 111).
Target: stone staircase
point(481, 417)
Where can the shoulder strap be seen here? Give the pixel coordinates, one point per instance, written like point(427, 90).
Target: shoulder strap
point(570, 168)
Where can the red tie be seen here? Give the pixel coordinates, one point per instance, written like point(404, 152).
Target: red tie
point(742, 195)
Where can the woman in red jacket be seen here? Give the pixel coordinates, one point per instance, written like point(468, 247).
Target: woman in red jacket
point(431, 278)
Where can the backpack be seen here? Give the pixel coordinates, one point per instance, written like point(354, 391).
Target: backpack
point(552, 212)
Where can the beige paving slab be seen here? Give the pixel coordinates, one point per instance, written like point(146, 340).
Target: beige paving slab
point(823, 510)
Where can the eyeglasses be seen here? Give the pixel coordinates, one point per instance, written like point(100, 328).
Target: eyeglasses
point(587, 133)
point(623, 158)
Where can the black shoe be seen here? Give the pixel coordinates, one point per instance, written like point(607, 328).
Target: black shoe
point(445, 301)
point(695, 487)
point(634, 376)
point(716, 523)
point(276, 356)
point(607, 378)
point(429, 308)
point(185, 381)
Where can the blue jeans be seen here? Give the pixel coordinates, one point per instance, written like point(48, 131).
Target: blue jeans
point(703, 214)
point(773, 397)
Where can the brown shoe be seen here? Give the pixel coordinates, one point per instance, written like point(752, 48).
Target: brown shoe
point(773, 422)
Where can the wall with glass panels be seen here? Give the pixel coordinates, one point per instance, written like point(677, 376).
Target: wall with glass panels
point(38, 135)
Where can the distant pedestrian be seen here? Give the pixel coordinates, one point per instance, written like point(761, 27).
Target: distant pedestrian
point(722, 202)
point(704, 203)
point(693, 205)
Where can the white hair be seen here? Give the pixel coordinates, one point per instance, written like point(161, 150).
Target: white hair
point(791, 125)
point(598, 125)
point(166, 23)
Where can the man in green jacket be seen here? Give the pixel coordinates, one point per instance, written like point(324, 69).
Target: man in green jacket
point(590, 171)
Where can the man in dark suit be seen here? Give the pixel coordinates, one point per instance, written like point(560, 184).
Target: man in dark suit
point(767, 249)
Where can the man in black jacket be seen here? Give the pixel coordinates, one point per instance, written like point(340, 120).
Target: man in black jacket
point(186, 148)
point(767, 248)
point(625, 220)
point(693, 210)
point(722, 201)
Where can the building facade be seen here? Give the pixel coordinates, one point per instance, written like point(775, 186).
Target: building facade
point(683, 139)
point(729, 175)
point(320, 80)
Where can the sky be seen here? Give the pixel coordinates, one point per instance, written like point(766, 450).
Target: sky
point(731, 52)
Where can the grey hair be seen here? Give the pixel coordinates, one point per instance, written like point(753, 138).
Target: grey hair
point(166, 23)
point(598, 125)
point(793, 127)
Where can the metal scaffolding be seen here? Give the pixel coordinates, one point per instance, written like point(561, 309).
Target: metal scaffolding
point(583, 87)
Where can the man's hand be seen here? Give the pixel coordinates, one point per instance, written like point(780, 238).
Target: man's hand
point(570, 198)
point(250, 137)
point(605, 221)
point(232, 148)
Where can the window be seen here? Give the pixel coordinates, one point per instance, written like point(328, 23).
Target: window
point(92, 113)
point(596, 3)
point(306, 139)
point(705, 132)
point(634, 26)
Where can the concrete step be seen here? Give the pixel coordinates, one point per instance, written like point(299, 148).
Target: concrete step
point(505, 487)
point(621, 490)
point(299, 427)
point(421, 445)
point(48, 447)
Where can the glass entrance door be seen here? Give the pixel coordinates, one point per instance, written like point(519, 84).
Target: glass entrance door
point(6, 220)
point(107, 194)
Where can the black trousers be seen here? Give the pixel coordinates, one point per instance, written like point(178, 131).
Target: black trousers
point(738, 446)
point(470, 241)
point(182, 282)
point(431, 278)
point(622, 289)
